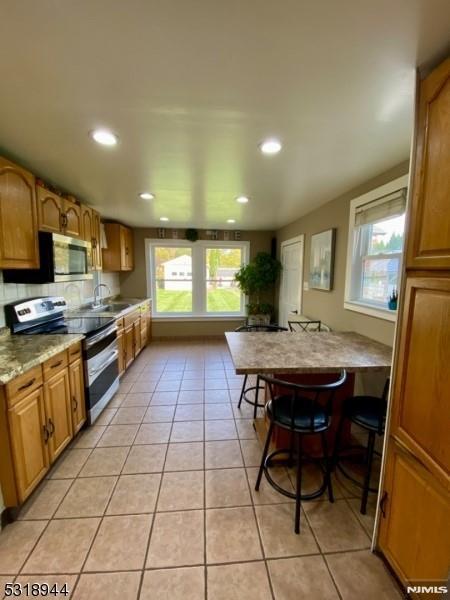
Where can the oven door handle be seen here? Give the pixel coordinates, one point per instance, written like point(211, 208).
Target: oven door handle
point(97, 338)
point(93, 372)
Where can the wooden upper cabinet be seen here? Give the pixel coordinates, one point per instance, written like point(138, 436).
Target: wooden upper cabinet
point(87, 225)
point(97, 257)
point(429, 243)
point(50, 210)
point(72, 218)
point(119, 254)
point(57, 214)
point(18, 218)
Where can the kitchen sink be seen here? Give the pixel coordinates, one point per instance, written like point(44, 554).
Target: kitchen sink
point(113, 307)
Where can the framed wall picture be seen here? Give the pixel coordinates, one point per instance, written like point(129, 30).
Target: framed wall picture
point(321, 261)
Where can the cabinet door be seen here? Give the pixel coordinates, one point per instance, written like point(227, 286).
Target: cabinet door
point(96, 241)
point(18, 218)
point(77, 395)
point(121, 348)
point(429, 242)
point(59, 412)
point(50, 211)
point(143, 332)
point(415, 518)
point(129, 249)
point(72, 219)
point(137, 337)
point(86, 222)
point(129, 345)
point(28, 440)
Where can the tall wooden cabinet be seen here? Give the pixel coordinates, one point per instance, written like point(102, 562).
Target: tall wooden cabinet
point(18, 218)
point(91, 232)
point(414, 532)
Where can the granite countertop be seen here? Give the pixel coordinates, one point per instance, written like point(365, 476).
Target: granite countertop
point(86, 312)
point(315, 352)
point(19, 353)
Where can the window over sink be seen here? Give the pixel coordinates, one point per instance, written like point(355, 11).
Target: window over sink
point(375, 249)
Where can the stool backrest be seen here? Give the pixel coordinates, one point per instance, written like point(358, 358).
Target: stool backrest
point(315, 398)
point(271, 328)
point(305, 325)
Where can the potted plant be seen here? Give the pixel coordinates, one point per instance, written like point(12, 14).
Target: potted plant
point(393, 300)
point(255, 278)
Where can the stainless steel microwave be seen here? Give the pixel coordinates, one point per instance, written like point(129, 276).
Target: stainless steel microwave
point(62, 258)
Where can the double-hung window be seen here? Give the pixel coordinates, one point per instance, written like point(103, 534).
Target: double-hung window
point(375, 247)
point(195, 279)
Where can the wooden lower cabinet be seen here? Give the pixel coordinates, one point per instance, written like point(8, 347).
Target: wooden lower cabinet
point(78, 405)
point(28, 432)
point(129, 345)
point(416, 547)
point(121, 349)
point(137, 337)
point(59, 413)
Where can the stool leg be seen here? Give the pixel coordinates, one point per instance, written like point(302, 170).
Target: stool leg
point(370, 450)
point(255, 410)
point(298, 490)
point(337, 441)
point(264, 454)
point(242, 391)
point(328, 466)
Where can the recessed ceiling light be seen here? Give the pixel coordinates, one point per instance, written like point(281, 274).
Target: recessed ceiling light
point(163, 218)
point(231, 220)
point(104, 137)
point(242, 199)
point(270, 146)
point(146, 196)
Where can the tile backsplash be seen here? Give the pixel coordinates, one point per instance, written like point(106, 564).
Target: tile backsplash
point(75, 292)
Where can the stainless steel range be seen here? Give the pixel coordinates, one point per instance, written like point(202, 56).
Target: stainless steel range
point(100, 352)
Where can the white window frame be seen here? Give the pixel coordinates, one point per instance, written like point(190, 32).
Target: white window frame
point(357, 305)
point(198, 250)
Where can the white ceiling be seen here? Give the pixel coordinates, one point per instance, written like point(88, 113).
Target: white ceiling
point(192, 86)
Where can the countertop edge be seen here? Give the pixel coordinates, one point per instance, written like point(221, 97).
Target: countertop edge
point(67, 340)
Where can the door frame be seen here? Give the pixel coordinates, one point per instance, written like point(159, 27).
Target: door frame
point(299, 238)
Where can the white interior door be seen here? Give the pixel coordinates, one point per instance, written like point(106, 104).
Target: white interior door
point(291, 279)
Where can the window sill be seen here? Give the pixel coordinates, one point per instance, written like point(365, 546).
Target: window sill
point(371, 311)
point(204, 318)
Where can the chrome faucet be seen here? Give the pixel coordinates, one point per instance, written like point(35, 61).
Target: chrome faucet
point(97, 287)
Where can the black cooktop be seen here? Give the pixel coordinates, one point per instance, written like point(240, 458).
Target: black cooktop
point(84, 325)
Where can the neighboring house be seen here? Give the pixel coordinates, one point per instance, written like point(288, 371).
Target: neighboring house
point(178, 274)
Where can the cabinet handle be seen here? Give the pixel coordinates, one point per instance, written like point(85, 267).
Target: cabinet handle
point(46, 434)
point(94, 243)
point(56, 364)
point(27, 385)
point(52, 427)
point(383, 504)
point(74, 403)
point(74, 352)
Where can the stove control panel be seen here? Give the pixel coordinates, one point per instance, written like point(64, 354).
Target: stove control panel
point(24, 311)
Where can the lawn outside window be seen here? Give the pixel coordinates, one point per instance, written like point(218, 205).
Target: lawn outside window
point(195, 280)
point(375, 249)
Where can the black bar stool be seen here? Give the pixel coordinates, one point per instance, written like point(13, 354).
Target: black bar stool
point(302, 410)
point(305, 325)
point(369, 412)
point(245, 390)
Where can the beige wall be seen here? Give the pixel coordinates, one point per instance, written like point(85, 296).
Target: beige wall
point(329, 306)
point(134, 284)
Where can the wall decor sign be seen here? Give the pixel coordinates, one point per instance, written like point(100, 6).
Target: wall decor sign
point(321, 261)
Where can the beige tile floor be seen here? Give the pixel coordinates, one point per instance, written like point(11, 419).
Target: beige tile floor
point(157, 501)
